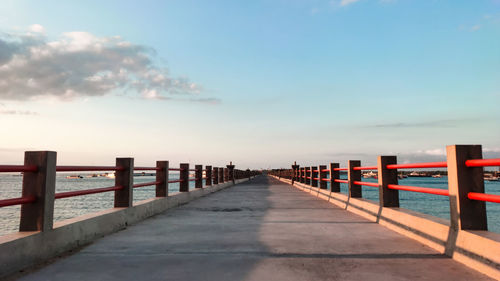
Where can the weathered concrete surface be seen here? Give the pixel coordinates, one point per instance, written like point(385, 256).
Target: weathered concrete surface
point(261, 230)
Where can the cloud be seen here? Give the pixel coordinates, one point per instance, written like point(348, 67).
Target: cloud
point(347, 2)
point(17, 112)
point(429, 124)
point(80, 64)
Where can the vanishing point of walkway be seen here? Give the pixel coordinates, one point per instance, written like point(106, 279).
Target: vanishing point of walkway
point(260, 230)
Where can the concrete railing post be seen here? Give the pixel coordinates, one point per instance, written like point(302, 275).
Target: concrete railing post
point(184, 177)
point(208, 175)
point(230, 172)
point(307, 176)
point(221, 175)
point(387, 197)
point(124, 178)
point(354, 175)
point(465, 214)
point(216, 175)
point(322, 176)
point(302, 175)
point(162, 177)
point(295, 172)
point(249, 174)
point(314, 176)
point(334, 175)
point(39, 216)
point(198, 173)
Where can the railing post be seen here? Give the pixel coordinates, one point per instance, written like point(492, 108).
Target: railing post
point(216, 175)
point(334, 175)
point(230, 172)
point(353, 175)
point(295, 172)
point(465, 214)
point(162, 177)
point(221, 175)
point(322, 175)
point(302, 175)
point(314, 176)
point(307, 176)
point(184, 176)
point(198, 173)
point(124, 178)
point(387, 197)
point(39, 216)
point(249, 174)
point(208, 175)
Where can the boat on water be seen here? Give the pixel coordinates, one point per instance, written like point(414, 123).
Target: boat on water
point(437, 176)
point(491, 178)
point(74, 177)
point(371, 174)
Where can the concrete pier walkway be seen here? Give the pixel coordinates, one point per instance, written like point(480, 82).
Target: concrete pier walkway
point(260, 230)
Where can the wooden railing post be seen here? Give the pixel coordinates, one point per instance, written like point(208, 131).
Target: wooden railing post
point(387, 197)
point(216, 175)
point(314, 176)
point(162, 177)
point(230, 172)
point(353, 175)
point(208, 175)
point(221, 175)
point(465, 214)
point(334, 175)
point(198, 173)
point(302, 175)
point(124, 178)
point(184, 176)
point(39, 216)
point(322, 175)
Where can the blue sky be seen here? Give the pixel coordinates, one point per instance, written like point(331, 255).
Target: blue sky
point(261, 83)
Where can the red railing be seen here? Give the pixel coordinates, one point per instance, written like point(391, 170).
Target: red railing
point(17, 201)
point(147, 184)
point(88, 168)
point(365, 168)
point(372, 184)
point(482, 162)
point(428, 190)
point(341, 181)
point(146, 169)
point(86, 192)
point(17, 168)
point(484, 197)
point(418, 165)
point(340, 169)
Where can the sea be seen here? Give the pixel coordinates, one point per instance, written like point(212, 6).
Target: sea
point(10, 187)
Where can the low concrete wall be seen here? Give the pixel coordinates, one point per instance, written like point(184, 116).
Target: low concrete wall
point(24, 249)
point(479, 250)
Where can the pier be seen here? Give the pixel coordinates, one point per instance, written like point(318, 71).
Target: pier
point(282, 224)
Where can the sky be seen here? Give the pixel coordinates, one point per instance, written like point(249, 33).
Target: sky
point(261, 83)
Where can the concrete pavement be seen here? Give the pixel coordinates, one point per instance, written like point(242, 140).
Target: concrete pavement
point(260, 230)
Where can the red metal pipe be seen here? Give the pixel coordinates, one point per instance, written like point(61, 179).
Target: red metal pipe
point(365, 168)
point(325, 179)
point(325, 170)
point(193, 179)
point(17, 201)
point(341, 181)
point(315, 171)
point(315, 179)
point(86, 192)
point(146, 169)
point(418, 165)
point(482, 162)
point(340, 169)
point(174, 181)
point(17, 168)
point(373, 184)
point(174, 169)
point(87, 168)
point(484, 197)
point(146, 184)
point(434, 191)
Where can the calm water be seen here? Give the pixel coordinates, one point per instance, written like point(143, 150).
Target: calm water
point(10, 187)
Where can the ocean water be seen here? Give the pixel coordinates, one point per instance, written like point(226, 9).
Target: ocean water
point(434, 205)
point(10, 187)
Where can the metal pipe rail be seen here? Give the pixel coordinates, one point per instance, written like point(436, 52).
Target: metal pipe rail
point(86, 192)
point(147, 184)
point(17, 201)
point(17, 168)
point(88, 168)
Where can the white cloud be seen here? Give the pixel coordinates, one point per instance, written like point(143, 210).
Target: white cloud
point(347, 2)
point(37, 28)
point(80, 64)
